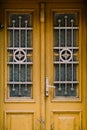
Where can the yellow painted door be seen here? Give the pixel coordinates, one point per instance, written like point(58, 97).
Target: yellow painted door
point(65, 68)
point(20, 67)
point(43, 67)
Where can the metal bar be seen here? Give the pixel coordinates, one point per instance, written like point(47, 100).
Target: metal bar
point(19, 82)
point(15, 48)
point(13, 54)
point(66, 46)
point(22, 63)
point(19, 91)
point(72, 88)
point(65, 28)
point(26, 54)
point(60, 62)
point(59, 53)
point(19, 28)
point(66, 82)
point(74, 48)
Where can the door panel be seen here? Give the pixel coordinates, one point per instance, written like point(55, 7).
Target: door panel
point(20, 120)
point(21, 82)
point(43, 63)
point(66, 120)
point(64, 72)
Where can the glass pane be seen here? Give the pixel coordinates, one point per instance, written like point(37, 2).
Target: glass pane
point(66, 50)
point(20, 53)
point(25, 91)
point(61, 91)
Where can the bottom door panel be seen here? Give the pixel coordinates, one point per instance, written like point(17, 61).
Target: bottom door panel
point(20, 120)
point(66, 120)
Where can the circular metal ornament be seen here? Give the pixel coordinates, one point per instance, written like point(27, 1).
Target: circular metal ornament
point(65, 55)
point(19, 55)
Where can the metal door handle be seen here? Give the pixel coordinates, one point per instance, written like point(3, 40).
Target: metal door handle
point(48, 86)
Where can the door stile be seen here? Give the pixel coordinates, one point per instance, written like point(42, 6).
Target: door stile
point(42, 42)
point(84, 64)
point(1, 70)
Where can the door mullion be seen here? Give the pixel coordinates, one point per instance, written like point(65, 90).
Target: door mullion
point(42, 23)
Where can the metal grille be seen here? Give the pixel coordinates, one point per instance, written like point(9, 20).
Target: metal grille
point(20, 55)
point(66, 50)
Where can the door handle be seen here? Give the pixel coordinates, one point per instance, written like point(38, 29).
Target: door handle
point(48, 86)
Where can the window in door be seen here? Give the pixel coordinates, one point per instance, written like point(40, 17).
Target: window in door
point(66, 53)
point(20, 53)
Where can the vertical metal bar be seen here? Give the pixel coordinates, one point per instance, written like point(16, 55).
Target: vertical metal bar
point(66, 31)
point(13, 53)
point(59, 21)
point(19, 52)
point(66, 63)
point(26, 54)
point(72, 88)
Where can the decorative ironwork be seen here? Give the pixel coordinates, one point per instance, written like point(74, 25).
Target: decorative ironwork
point(65, 54)
point(20, 55)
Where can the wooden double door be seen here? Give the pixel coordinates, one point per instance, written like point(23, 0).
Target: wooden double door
point(43, 67)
